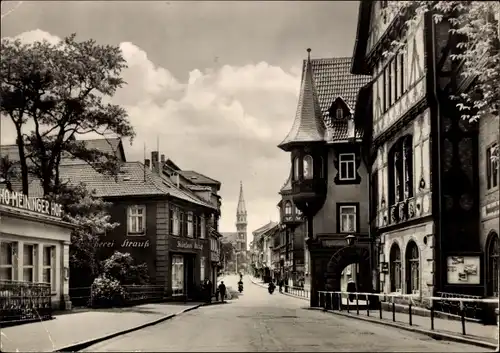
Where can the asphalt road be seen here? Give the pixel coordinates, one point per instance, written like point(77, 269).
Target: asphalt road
point(260, 322)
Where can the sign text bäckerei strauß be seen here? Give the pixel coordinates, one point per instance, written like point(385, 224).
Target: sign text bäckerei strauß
point(19, 200)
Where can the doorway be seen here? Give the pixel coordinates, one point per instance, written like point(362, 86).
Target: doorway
point(189, 276)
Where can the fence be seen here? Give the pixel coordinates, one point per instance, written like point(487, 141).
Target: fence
point(371, 303)
point(24, 301)
point(297, 291)
point(135, 295)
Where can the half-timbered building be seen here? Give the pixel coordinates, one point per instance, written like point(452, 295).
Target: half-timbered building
point(422, 156)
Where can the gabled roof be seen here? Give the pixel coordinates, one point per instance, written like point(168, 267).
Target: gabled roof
point(331, 79)
point(198, 178)
point(264, 228)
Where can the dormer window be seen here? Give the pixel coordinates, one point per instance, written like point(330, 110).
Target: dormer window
point(339, 113)
point(308, 167)
point(288, 208)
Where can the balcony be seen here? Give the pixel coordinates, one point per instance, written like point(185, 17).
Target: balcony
point(402, 211)
point(309, 194)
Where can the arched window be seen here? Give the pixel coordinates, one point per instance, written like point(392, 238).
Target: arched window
point(288, 208)
point(493, 264)
point(412, 268)
point(401, 170)
point(296, 169)
point(395, 262)
point(308, 167)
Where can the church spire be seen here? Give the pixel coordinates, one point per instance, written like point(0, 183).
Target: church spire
point(308, 125)
point(241, 210)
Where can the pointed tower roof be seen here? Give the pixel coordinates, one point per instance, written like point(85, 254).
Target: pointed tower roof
point(288, 184)
point(308, 125)
point(241, 202)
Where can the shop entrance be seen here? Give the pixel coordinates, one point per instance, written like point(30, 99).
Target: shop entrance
point(189, 275)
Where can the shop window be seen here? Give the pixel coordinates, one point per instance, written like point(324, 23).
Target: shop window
point(8, 261)
point(29, 263)
point(49, 268)
point(174, 221)
point(203, 227)
point(347, 216)
point(395, 262)
point(189, 221)
point(177, 275)
point(347, 166)
point(492, 166)
point(412, 268)
point(288, 208)
point(202, 268)
point(308, 167)
point(136, 220)
point(493, 264)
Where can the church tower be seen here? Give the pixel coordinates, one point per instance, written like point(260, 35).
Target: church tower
point(241, 221)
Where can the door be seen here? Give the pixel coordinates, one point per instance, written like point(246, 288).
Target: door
point(189, 275)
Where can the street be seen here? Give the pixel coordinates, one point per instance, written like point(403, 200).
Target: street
point(257, 321)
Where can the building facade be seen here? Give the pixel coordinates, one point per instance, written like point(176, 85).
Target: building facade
point(34, 248)
point(434, 212)
point(329, 182)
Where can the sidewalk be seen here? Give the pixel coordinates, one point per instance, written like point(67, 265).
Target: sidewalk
point(71, 328)
point(476, 333)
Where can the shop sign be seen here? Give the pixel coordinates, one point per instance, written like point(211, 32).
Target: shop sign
point(125, 244)
point(34, 204)
point(189, 245)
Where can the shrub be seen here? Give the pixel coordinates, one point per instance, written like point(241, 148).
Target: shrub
point(107, 292)
point(122, 267)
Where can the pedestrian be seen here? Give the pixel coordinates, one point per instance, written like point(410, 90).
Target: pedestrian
point(351, 288)
point(280, 283)
point(207, 287)
point(222, 291)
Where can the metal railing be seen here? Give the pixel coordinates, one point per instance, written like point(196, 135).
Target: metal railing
point(373, 304)
point(297, 291)
point(135, 295)
point(24, 301)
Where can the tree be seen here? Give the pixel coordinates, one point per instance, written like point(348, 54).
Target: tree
point(475, 30)
point(227, 252)
point(8, 171)
point(61, 90)
point(89, 213)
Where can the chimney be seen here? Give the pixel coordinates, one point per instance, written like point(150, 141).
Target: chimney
point(147, 163)
point(154, 162)
point(350, 128)
point(162, 159)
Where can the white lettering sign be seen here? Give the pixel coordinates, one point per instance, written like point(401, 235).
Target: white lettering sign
point(135, 244)
point(189, 245)
point(19, 200)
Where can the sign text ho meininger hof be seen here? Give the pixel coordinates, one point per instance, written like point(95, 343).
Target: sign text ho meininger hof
point(35, 204)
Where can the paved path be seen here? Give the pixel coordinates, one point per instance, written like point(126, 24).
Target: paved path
point(258, 322)
point(72, 328)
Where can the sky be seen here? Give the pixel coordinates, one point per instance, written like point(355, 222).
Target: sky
point(215, 82)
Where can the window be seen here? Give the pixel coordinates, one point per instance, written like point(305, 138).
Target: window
point(401, 170)
point(189, 221)
point(49, 267)
point(29, 263)
point(298, 213)
point(395, 262)
point(203, 227)
point(493, 263)
point(288, 208)
point(347, 166)
point(296, 168)
point(8, 261)
point(182, 221)
point(136, 220)
point(308, 167)
point(374, 194)
point(347, 219)
point(339, 113)
point(202, 268)
point(492, 166)
point(177, 275)
point(412, 268)
point(174, 221)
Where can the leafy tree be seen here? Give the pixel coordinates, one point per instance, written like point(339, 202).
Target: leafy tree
point(61, 89)
point(89, 214)
point(475, 32)
point(227, 252)
point(8, 171)
point(122, 267)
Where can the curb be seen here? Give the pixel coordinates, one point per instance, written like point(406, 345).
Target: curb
point(432, 334)
point(85, 344)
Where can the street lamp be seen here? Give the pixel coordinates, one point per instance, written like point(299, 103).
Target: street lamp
point(350, 239)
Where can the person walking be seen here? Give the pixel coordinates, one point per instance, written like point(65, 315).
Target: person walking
point(207, 287)
point(222, 291)
point(351, 288)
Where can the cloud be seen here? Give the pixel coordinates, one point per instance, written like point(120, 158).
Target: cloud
point(224, 122)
